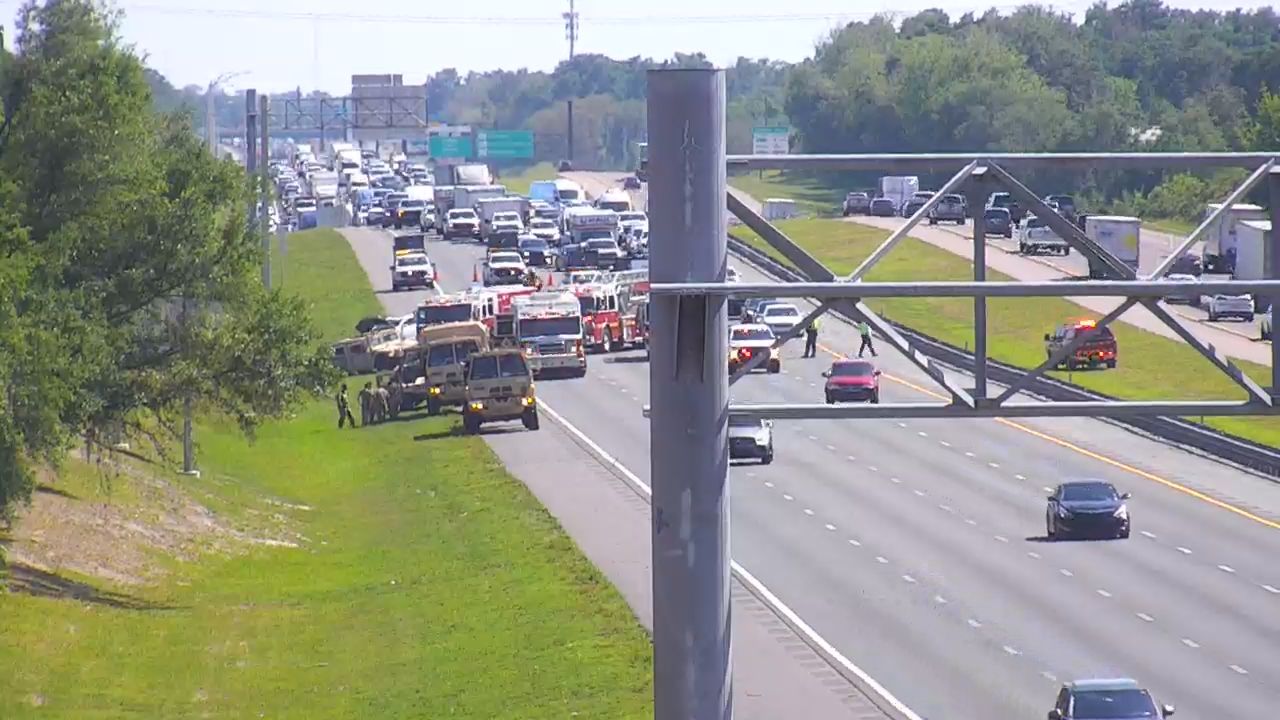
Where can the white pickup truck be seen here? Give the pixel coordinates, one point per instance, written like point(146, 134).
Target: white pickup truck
point(1035, 238)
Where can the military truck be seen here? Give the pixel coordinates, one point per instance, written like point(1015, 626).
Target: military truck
point(445, 350)
point(499, 388)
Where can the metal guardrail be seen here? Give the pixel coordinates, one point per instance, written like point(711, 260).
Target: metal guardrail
point(1233, 449)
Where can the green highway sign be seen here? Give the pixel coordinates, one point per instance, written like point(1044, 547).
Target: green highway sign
point(504, 144)
point(770, 140)
point(451, 147)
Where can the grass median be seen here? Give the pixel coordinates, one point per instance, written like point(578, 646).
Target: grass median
point(392, 571)
point(1151, 366)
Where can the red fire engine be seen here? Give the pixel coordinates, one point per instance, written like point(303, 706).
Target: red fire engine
point(609, 316)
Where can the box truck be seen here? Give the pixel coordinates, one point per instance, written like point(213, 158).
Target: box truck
point(1220, 244)
point(1118, 234)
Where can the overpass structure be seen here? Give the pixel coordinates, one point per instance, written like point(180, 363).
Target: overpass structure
point(689, 382)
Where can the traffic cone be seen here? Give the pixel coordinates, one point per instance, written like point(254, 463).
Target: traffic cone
point(551, 279)
point(475, 274)
point(436, 274)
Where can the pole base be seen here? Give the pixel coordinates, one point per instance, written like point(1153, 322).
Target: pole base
point(190, 473)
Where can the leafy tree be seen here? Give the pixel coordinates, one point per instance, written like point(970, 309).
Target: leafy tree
point(110, 214)
point(1264, 135)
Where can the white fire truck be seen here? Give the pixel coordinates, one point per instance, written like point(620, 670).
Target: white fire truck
point(548, 328)
point(457, 307)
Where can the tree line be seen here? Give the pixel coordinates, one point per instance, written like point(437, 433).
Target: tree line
point(129, 275)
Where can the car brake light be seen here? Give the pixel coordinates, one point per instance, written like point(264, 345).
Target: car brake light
point(744, 353)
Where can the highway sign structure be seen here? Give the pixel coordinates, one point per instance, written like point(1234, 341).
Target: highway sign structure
point(770, 140)
point(504, 144)
point(451, 147)
point(689, 379)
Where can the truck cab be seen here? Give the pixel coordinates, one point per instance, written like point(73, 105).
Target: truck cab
point(1098, 347)
point(499, 388)
point(445, 350)
point(505, 267)
point(548, 328)
point(461, 223)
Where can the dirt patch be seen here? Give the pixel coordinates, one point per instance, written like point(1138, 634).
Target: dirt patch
point(125, 541)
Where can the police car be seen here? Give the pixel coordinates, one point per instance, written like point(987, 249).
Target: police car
point(746, 341)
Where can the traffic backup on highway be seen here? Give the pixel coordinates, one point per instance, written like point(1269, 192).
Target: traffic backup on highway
point(559, 282)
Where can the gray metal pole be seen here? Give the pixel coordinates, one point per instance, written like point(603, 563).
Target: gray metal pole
point(188, 446)
point(251, 131)
point(264, 218)
point(1271, 257)
point(980, 188)
point(689, 391)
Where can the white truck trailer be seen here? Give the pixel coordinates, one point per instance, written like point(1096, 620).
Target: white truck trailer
point(899, 189)
point(1221, 240)
point(1120, 234)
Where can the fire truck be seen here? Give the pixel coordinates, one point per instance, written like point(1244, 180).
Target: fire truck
point(609, 316)
point(456, 307)
point(548, 328)
point(493, 308)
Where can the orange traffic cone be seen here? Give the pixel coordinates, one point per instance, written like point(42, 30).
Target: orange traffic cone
point(475, 274)
point(551, 279)
point(435, 272)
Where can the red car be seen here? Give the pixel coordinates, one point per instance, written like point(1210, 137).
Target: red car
point(852, 381)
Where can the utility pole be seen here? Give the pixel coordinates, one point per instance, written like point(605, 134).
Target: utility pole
point(571, 32)
point(689, 391)
point(188, 445)
point(264, 217)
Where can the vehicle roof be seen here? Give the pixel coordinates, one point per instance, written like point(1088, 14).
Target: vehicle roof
point(499, 351)
point(750, 326)
point(882, 200)
point(1101, 684)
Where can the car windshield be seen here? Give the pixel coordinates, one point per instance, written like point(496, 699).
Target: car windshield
point(1108, 704)
point(1002, 200)
point(504, 257)
point(435, 314)
point(853, 369)
point(533, 244)
point(490, 367)
point(567, 194)
point(749, 333)
point(781, 311)
point(412, 204)
point(538, 327)
point(601, 243)
point(542, 224)
point(506, 217)
point(1089, 492)
point(630, 216)
point(396, 197)
point(737, 421)
point(462, 215)
point(996, 215)
point(412, 260)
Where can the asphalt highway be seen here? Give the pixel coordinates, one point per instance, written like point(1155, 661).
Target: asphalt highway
point(916, 548)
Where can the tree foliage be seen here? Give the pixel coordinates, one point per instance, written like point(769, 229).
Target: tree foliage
point(109, 215)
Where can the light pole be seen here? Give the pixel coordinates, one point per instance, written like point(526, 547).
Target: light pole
point(210, 108)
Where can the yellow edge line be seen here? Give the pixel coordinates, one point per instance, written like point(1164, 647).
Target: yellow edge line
point(1090, 454)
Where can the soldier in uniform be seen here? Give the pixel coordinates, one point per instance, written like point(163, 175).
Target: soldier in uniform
point(344, 408)
point(395, 395)
point(366, 405)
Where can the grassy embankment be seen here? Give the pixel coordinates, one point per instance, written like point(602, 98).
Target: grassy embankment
point(425, 581)
point(1151, 366)
point(519, 183)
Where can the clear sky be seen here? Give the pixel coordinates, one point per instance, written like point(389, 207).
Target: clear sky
point(282, 44)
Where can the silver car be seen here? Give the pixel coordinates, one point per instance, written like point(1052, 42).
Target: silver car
point(1264, 324)
point(751, 439)
point(1189, 294)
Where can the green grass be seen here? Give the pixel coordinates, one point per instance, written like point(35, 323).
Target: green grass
point(431, 584)
point(519, 183)
point(811, 195)
point(1151, 366)
point(321, 268)
point(1172, 226)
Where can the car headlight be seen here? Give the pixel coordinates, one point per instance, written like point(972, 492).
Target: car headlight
point(476, 405)
point(435, 390)
point(1122, 511)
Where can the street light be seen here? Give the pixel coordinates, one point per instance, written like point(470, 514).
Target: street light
point(211, 116)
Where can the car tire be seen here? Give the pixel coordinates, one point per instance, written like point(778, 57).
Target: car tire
point(933, 221)
point(775, 367)
point(768, 458)
point(1050, 529)
point(875, 398)
point(1213, 317)
point(1123, 534)
point(830, 400)
point(1111, 364)
point(530, 419)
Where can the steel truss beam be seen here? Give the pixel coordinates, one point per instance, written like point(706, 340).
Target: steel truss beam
point(950, 162)
point(977, 174)
point(1091, 409)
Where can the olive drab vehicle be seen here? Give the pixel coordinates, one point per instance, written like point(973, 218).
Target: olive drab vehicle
point(356, 356)
point(444, 351)
point(499, 387)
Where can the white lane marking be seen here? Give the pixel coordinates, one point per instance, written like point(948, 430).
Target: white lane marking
point(939, 599)
point(1049, 676)
point(750, 474)
point(1271, 589)
point(919, 493)
point(873, 468)
point(854, 543)
point(768, 484)
point(1010, 650)
point(1145, 617)
point(1190, 643)
point(1239, 669)
point(968, 454)
point(922, 433)
point(1184, 551)
point(895, 480)
point(1065, 572)
point(1104, 593)
point(1147, 534)
point(909, 579)
point(901, 424)
point(813, 437)
point(973, 623)
point(1048, 489)
point(787, 497)
point(946, 508)
point(944, 443)
point(813, 384)
point(993, 464)
point(851, 458)
point(1033, 555)
point(1001, 538)
point(758, 588)
point(832, 448)
point(881, 559)
point(971, 522)
point(1020, 477)
point(807, 511)
point(1226, 568)
point(831, 527)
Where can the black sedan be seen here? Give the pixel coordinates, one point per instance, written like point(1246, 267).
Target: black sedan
point(535, 251)
point(1087, 508)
